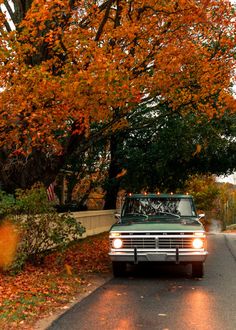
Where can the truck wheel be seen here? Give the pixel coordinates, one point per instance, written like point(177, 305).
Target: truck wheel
point(197, 269)
point(118, 268)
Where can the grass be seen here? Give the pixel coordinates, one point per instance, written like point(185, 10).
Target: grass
point(230, 229)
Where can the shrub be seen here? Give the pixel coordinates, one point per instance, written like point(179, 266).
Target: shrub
point(40, 227)
point(7, 203)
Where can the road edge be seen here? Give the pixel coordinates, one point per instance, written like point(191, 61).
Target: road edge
point(230, 240)
point(95, 281)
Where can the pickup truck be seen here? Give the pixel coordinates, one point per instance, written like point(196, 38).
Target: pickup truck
point(161, 228)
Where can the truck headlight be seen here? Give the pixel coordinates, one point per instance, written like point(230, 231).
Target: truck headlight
point(197, 243)
point(117, 243)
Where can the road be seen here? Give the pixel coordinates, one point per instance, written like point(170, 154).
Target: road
point(163, 298)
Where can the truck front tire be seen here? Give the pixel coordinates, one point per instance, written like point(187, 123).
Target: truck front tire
point(197, 269)
point(118, 268)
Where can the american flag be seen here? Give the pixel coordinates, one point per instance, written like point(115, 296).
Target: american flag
point(50, 192)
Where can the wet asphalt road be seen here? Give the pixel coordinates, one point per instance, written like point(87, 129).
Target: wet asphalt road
point(163, 298)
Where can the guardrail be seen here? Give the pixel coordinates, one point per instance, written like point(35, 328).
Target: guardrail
point(95, 222)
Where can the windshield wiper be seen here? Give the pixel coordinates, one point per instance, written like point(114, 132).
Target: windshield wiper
point(136, 214)
point(168, 213)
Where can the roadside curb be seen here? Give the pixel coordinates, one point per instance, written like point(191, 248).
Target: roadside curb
point(230, 240)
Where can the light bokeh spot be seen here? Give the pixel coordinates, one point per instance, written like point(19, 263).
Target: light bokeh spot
point(9, 237)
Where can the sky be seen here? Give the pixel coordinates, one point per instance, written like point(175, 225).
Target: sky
point(230, 178)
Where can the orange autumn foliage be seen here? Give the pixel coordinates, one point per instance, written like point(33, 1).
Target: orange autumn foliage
point(94, 61)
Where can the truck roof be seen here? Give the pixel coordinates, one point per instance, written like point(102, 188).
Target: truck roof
point(158, 195)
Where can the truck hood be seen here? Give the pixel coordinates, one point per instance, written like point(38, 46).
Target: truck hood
point(151, 226)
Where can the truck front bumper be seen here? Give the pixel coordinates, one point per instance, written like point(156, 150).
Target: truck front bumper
point(174, 256)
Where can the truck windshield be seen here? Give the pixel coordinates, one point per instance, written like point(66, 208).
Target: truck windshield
point(159, 206)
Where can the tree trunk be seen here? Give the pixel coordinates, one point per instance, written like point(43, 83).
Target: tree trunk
point(113, 183)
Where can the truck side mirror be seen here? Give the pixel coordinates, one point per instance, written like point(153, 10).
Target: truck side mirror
point(117, 217)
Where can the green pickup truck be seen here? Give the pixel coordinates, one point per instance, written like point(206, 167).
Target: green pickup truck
point(158, 228)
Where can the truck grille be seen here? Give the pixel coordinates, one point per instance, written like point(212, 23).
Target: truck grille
point(139, 243)
point(156, 242)
point(173, 242)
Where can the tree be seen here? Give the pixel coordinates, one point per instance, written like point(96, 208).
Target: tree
point(217, 200)
point(160, 153)
point(205, 191)
point(69, 65)
point(86, 173)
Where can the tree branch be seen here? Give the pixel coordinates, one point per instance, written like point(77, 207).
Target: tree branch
point(105, 18)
